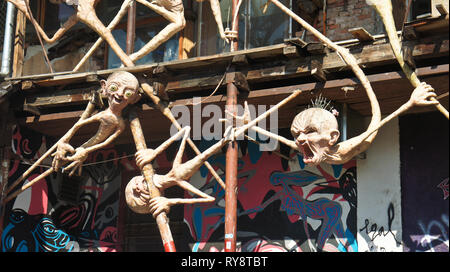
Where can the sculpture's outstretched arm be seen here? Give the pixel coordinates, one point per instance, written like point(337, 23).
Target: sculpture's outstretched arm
point(163, 204)
point(384, 8)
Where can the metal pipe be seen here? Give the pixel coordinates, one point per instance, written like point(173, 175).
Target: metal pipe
point(231, 189)
point(8, 39)
point(344, 121)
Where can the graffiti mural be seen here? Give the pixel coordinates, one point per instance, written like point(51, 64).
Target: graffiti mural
point(424, 180)
point(282, 205)
point(41, 219)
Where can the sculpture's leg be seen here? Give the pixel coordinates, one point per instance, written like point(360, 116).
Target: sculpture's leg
point(165, 34)
point(87, 15)
point(123, 10)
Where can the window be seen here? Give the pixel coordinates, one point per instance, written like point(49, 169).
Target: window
point(148, 24)
point(256, 28)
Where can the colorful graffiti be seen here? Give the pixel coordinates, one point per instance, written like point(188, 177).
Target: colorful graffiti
point(281, 206)
point(39, 220)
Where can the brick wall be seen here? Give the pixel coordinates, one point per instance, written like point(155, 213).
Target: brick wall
point(342, 15)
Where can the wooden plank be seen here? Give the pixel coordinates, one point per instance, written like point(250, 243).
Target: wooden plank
point(361, 34)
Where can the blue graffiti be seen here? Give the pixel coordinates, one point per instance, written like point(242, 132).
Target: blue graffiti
point(26, 233)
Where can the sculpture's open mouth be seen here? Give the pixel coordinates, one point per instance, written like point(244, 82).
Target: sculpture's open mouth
point(308, 155)
point(117, 99)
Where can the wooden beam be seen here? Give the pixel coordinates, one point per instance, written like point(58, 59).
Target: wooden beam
point(291, 52)
point(316, 49)
point(442, 10)
point(160, 77)
point(238, 79)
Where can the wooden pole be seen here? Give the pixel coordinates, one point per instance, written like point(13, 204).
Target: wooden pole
point(147, 172)
point(231, 189)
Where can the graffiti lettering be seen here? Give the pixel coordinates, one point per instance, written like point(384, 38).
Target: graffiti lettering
point(373, 231)
point(434, 235)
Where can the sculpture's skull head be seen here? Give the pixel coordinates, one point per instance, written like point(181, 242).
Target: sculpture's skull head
point(315, 131)
point(121, 88)
point(137, 195)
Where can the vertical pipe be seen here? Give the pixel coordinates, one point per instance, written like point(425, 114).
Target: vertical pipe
point(8, 39)
point(131, 27)
point(231, 189)
point(344, 121)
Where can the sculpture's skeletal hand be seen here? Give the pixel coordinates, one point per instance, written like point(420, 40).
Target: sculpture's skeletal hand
point(160, 204)
point(61, 154)
point(144, 156)
point(422, 94)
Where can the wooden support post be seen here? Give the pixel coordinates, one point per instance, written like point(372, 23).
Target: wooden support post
point(147, 172)
point(231, 189)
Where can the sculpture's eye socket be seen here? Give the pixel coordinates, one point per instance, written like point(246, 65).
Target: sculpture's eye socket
point(128, 94)
point(113, 88)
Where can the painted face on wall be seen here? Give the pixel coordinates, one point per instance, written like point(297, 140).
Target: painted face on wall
point(315, 131)
point(137, 196)
point(121, 88)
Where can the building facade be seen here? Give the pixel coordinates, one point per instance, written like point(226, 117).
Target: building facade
point(393, 197)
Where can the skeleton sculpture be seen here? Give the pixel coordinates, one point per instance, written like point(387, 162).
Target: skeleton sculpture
point(316, 132)
point(121, 89)
point(85, 12)
point(172, 10)
point(136, 192)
